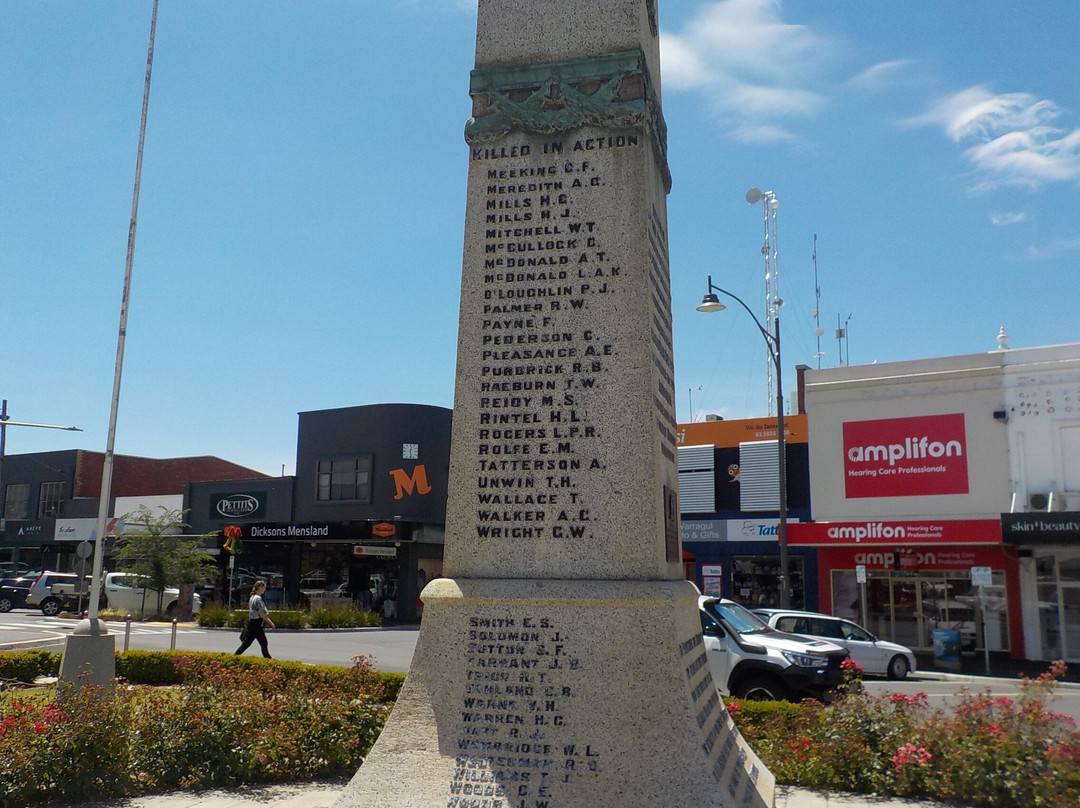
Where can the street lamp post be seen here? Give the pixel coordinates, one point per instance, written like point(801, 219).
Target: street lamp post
point(710, 302)
point(5, 422)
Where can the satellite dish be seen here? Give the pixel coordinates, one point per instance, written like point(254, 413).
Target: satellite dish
point(753, 195)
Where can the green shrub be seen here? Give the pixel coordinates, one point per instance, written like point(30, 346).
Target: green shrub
point(349, 617)
point(26, 666)
point(988, 751)
point(229, 721)
point(213, 615)
point(147, 667)
point(216, 615)
point(289, 619)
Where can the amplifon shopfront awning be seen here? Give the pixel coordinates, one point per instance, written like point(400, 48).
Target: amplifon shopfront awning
point(895, 533)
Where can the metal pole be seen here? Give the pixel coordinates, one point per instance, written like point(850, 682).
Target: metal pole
point(127, 631)
point(107, 466)
point(982, 622)
point(781, 444)
point(172, 645)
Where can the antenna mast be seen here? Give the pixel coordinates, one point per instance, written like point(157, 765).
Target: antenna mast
point(770, 250)
point(818, 330)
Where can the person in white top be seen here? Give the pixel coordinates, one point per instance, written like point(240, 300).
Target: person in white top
point(258, 619)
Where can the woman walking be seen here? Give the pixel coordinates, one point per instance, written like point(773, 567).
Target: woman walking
point(258, 618)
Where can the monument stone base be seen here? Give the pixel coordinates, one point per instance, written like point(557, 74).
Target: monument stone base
point(559, 694)
point(89, 655)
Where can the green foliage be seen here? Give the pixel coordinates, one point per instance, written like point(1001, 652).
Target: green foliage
point(290, 619)
point(225, 724)
point(216, 615)
point(349, 617)
point(987, 751)
point(148, 667)
point(153, 545)
point(26, 666)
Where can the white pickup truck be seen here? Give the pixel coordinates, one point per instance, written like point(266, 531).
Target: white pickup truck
point(124, 591)
point(128, 592)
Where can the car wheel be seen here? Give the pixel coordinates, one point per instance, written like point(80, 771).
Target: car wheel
point(50, 607)
point(170, 610)
point(6, 604)
point(765, 688)
point(898, 667)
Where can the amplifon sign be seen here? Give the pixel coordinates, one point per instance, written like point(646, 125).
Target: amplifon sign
point(947, 532)
point(906, 457)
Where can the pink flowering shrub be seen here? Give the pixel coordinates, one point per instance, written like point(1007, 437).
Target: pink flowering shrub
point(986, 751)
point(225, 725)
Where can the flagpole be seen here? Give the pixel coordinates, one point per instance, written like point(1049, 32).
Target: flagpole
point(92, 627)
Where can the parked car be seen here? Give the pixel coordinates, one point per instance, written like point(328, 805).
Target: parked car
point(41, 588)
point(22, 569)
point(54, 592)
point(874, 656)
point(13, 593)
point(67, 594)
point(129, 592)
point(752, 660)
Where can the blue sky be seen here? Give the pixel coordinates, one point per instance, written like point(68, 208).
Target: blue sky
point(302, 202)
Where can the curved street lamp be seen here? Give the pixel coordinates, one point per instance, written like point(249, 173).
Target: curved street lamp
point(710, 302)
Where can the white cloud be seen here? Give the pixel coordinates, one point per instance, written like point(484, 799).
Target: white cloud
point(1013, 141)
point(1002, 219)
point(1053, 250)
point(882, 76)
point(758, 71)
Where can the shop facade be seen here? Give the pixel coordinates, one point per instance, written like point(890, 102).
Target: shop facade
point(729, 503)
point(922, 472)
point(362, 521)
point(49, 501)
point(1048, 548)
point(906, 579)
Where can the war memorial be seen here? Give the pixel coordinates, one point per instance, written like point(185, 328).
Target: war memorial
point(559, 662)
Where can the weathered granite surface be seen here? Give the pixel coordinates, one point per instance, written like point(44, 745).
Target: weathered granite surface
point(560, 662)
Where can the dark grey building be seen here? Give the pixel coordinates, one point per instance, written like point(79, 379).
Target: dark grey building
point(363, 516)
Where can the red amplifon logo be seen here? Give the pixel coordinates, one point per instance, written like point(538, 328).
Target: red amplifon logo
point(906, 457)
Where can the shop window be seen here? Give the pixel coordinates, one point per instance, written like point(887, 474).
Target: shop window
point(756, 581)
point(345, 479)
point(17, 501)
point(52, 494)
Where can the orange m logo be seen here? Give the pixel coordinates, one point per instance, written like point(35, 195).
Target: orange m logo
point(406, 484)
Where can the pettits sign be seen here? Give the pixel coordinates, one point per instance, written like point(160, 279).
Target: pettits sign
point(906, 457)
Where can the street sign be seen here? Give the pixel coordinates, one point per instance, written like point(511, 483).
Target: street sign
point(981, 576)
point(84, 549)
point(860, 573)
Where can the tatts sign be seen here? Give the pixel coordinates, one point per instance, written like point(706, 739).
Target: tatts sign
point(906, 457)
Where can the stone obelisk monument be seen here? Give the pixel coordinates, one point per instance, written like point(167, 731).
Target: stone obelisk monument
point(560, 662)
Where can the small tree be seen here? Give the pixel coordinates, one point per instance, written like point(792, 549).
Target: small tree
point(153, 545)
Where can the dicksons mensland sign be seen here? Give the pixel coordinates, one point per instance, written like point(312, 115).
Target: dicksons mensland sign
point(906, 457)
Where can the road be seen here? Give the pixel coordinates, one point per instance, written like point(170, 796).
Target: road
point(392, 648)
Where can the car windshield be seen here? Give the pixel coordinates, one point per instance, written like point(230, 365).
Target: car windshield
point(740, 619)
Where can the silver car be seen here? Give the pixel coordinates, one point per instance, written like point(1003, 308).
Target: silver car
point(874, 656)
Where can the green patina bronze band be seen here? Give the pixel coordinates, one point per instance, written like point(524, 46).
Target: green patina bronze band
point(611, 91)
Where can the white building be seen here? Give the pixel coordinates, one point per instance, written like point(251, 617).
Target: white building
point(927, 473)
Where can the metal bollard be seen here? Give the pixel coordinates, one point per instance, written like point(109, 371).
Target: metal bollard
point(127, 632)
point(172, 646)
